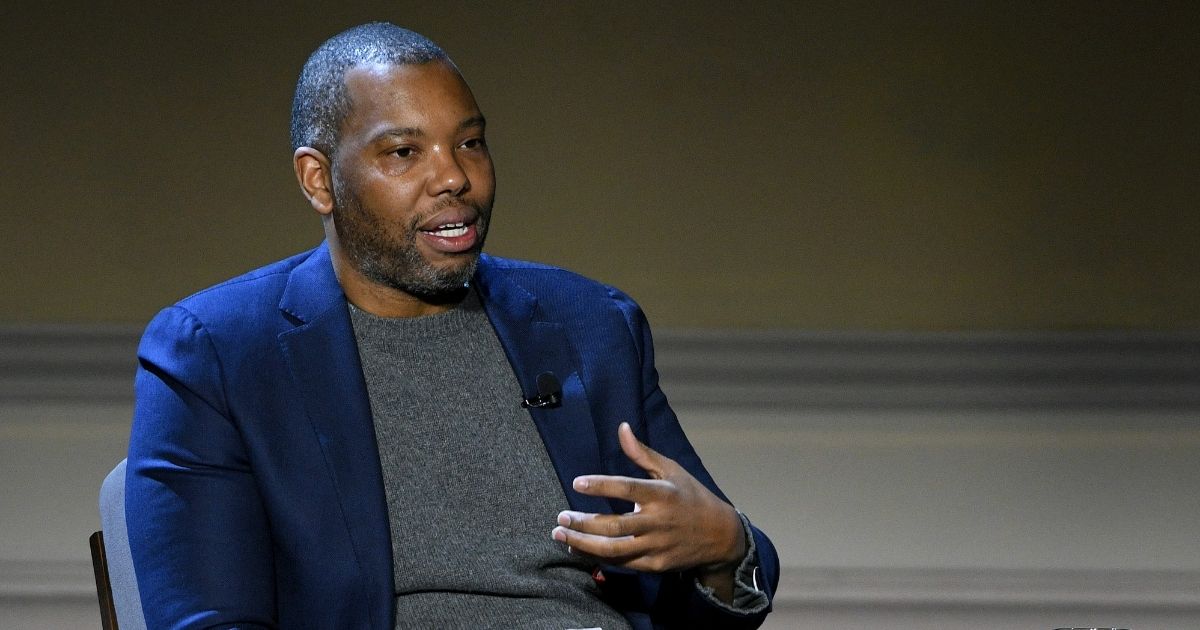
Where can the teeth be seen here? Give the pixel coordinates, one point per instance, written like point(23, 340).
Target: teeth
point(450, 230)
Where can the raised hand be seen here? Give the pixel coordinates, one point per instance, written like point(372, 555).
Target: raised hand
point(676, 523)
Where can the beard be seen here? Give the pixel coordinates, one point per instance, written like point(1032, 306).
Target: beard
point(386, 252)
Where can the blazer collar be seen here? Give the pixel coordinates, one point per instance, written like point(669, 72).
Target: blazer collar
point(312, 288)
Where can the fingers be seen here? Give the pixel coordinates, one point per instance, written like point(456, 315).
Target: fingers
point(604, 548)
point(606, 538)
point(610, 525)
point(640, 553)
point(627, 488)
point(645, 457)
point(645, 540)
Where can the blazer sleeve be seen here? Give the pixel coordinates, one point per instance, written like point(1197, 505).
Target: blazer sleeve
point(680, 603)
point(197, 528)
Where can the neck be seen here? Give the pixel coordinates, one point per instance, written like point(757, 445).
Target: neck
point(384, 301)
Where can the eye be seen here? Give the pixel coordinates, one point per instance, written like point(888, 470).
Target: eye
point(474, 144)
point(403, 152)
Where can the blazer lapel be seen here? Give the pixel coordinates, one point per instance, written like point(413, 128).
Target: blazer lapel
point(534, 346)
point(323, 357)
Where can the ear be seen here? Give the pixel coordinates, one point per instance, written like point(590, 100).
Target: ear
point(315, 175)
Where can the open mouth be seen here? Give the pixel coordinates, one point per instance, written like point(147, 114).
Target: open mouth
point(449, 230)
point(451, 237)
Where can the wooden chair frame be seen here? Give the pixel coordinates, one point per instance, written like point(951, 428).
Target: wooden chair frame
point(108, 609)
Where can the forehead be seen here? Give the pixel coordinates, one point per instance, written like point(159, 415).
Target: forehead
point(413, 95)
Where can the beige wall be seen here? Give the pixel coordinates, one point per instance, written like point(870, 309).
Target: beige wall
point(771, 166)
point(937, 481)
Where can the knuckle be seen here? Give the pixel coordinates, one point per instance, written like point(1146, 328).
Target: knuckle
point(656, 564)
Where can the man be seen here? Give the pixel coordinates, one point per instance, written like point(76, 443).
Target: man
point(395, 430)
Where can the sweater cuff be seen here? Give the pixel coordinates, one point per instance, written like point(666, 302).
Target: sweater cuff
point(748, 598)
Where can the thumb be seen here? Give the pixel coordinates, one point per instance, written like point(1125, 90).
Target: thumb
point(645, 457)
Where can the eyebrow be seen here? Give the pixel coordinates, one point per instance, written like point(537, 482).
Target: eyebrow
point(474, 121)
point(408, 132)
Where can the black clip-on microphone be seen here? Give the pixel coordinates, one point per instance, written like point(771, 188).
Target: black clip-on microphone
point(549, 392)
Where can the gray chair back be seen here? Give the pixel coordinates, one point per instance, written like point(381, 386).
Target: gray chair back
point(126, 599)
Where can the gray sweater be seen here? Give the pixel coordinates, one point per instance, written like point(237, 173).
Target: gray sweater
point(471, 492)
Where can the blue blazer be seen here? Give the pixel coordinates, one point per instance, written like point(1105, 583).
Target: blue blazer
point(254, 496)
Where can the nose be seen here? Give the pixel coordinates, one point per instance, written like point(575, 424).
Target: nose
point(448, 175)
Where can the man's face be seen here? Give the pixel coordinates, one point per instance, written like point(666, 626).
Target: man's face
point(412, 178)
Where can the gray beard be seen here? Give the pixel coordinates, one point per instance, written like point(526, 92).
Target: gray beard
point(400, 266)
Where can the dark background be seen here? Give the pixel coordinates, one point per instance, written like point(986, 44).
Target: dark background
point(855, 166)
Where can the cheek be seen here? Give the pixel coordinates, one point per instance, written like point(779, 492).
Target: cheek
point(393, 201)
point(483, 177)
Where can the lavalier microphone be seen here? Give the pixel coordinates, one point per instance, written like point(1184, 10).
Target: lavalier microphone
point(549, 392)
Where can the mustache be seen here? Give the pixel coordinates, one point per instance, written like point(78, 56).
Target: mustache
point(341, 204)
point(482, 211)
